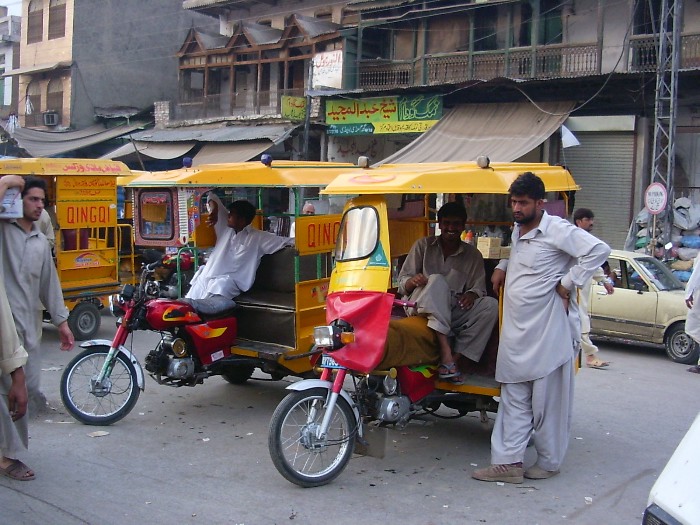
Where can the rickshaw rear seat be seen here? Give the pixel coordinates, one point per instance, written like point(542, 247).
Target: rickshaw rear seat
point(267, 311)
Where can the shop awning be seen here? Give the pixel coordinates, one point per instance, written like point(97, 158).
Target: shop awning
point(502, 132)
point(52, 143)
point(231, 152)
point(234, 133)
point(39, 68)
point(151, 150)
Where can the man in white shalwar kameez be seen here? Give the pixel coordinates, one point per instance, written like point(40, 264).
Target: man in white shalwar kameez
point(692, 322)
point(232, 264)
point(540, 335)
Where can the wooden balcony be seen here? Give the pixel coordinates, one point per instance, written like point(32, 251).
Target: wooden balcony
point(525, 63)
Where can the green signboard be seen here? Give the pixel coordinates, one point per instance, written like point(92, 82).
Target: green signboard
point(407, 114)
point(293, 108)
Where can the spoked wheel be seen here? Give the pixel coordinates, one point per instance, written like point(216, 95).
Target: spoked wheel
point(295, 448)
point(92, 403)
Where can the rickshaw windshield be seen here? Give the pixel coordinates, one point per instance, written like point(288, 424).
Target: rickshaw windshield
point(358, 235)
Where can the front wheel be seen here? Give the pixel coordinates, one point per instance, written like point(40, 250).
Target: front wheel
point(99, 404)
point(680, 347)
point(295, 448)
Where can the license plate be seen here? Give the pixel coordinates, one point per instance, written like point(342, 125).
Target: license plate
point(328, 362)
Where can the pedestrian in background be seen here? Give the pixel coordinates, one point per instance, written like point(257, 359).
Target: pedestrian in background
point(583, 218)
point(540, 335)
point(32, 283)
point(692, 322)
point(14, 434)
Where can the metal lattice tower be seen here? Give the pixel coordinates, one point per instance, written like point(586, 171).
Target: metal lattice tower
point(666, 103)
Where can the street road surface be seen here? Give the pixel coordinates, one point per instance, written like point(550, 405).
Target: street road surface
point(199, 456)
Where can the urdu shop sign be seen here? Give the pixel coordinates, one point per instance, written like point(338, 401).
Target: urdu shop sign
point(371, 116)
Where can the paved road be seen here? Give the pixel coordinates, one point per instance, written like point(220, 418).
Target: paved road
point(199, 456)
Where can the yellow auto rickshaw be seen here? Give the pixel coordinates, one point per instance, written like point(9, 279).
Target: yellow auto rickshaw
point(393, 358)
point(82, 196)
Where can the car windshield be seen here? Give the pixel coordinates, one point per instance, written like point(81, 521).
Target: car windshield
point(659, 274)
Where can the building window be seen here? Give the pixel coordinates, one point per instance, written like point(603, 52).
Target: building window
point(57, 19)
point(35, 22)
point(2, 87)
point(54, 97)
point(32, 105)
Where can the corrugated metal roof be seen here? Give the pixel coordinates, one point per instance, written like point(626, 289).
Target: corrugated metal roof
point(260, 34)
point(193, 4)
point(274, 132)
point(211, 41)
point(314, 27)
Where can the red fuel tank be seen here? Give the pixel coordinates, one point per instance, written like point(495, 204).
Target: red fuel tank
point(163, 314)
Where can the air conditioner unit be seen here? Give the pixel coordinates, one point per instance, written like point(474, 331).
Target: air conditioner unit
point(50, 118)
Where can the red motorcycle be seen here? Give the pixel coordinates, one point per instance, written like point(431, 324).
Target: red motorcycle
point(102, 384)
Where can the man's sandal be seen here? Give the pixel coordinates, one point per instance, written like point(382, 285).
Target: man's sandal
point(17, 471)
point(448, 371)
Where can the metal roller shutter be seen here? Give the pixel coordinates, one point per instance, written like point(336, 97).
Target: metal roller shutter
point(603, 165)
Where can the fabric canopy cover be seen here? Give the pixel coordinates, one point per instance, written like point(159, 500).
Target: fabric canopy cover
point(502, 132)
point(51, 143)
point(230, 152)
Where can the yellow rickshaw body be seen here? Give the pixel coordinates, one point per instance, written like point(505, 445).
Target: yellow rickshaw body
point(278, 315)
point(378, 186)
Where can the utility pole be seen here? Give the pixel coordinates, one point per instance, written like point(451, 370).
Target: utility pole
point(666, 103)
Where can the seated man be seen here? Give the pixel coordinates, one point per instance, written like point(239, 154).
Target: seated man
point(231, 267)
point(445, 277)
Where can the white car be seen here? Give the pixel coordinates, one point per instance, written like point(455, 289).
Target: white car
point(673, 499)
point(648, 305)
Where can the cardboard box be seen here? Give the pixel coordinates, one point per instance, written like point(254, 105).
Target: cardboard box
point(490, 253)
point(488, 242)
point(505, 252)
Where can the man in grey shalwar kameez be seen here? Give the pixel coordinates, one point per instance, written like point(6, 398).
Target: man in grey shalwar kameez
point(540, 335)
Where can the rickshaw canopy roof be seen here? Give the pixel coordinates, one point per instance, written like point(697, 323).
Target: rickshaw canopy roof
point(59, 167)
point(446, 177)
point(246, 174)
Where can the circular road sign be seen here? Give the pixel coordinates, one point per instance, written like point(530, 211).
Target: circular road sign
point(655, 198)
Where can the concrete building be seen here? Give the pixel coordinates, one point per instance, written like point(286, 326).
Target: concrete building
point(9, 56)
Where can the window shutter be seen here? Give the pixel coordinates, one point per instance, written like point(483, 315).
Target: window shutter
point(57, 21)
point(35, 27)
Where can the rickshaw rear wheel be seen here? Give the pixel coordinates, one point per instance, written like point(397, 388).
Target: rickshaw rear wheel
point(300, 456)
point(237, 374)
point(84, 321)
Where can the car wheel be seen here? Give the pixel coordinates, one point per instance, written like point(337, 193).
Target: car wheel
point(680, 347)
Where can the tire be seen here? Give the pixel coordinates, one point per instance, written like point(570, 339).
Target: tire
point(289, 427)
point(84, 321)
point(680, 347)
point(237, 374)
point(111, 405)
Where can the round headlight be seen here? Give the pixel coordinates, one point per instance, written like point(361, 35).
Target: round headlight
point(115, 306)
point(391, 385)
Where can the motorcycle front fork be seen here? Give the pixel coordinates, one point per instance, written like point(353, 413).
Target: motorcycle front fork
point(108, 365)
point(331, 400)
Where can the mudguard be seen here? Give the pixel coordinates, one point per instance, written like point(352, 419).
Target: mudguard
point(140, 378)
point(307, 384)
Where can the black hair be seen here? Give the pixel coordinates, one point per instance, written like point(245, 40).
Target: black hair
point(243, 209)
point(33, 182)
point(452, 209)
point(527, 185)
point(583, 213)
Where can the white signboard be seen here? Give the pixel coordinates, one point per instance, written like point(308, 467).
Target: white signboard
point(327, 70)
point(655, 198)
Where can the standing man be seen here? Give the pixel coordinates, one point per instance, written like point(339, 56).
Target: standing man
point(14, 435)
point(583, 218)
point(692, 322)
point(446, 278)
point(32, 281)
point(540, 335)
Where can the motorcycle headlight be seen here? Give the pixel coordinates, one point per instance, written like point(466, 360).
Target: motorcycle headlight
point(334, 336)
point(115, 306)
